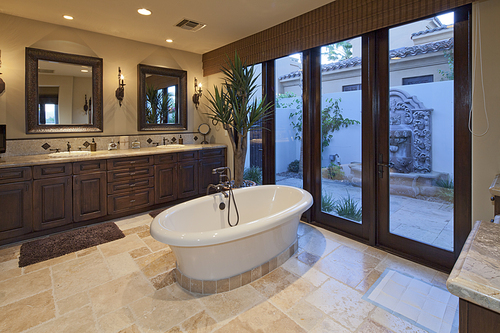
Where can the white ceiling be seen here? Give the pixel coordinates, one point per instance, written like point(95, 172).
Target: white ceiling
point(227, 21)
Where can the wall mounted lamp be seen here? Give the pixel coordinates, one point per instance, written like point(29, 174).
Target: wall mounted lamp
point(197, 93)
point(120, 91)
point(2, 84)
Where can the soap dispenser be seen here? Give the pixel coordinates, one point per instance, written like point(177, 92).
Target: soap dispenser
point(181, 140)
point(93, 145)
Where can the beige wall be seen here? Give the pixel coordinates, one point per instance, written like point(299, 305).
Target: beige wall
point(486, 149)
point(18, 33)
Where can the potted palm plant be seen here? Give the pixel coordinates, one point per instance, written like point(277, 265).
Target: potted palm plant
point(235, 106)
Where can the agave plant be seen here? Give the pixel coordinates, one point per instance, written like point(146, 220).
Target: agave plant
point(234, 106)
point(159, 104)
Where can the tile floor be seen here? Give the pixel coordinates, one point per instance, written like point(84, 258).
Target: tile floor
point(126, 286)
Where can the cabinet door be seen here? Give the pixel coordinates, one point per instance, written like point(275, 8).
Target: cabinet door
point(206, 176)
point(187, 179)
point(165, 183)
point(15, 209)
point(89, 196)
point(52, 202)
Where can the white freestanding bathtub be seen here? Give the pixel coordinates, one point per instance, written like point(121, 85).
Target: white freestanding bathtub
point(207, 248)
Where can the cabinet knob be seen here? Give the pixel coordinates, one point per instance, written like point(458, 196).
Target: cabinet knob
point(132, 185)
point(132, 200)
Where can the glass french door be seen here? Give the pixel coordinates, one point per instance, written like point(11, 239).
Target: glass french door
point(417, 150)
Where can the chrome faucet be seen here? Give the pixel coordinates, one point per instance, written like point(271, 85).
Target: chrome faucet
point(223, 172)
point(69, 147)
point(165, 141)
point(223, 185)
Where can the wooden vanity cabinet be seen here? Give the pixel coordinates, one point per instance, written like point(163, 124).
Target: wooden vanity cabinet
point(16, 198)
point(130, 184)
point(209, 160)
point(187, 173)
point(89, 190)
point(52, 195)
point(165, 178)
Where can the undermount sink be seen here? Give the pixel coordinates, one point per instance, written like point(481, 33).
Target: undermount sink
point(174, 145)
point(69, 154)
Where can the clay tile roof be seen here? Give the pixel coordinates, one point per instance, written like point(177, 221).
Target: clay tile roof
point(428, 31)
point(401, 52)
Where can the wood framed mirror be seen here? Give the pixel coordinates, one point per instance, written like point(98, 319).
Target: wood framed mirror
point(161, 98)
point(63, 92)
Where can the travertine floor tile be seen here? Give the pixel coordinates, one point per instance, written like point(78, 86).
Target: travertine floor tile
point(116, 320)
point(232, 303)
point(27, 313)
point(199, 323)
point(118, 246)
point(10, 252)
point(121, 264)
point(364, 285)
point(328, 325)
point(270, 319)
point(155, 245)
point(372, 327)
point(405, 266)
point(78, 275)
point(26, 285)
point(315, 243)
point(48, 263)
point(156, 263)
point(118, 293)
point(347, 265)
point(73, 302)
point(79, 321)
point(346, 306)
point(152, 311)
point(10, 273)
point(306, 315)
point(392, 322)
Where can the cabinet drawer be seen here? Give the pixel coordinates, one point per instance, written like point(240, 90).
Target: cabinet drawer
point(130, 174)
point(119, 203)
point(187, 156)
point(89, 167)
point(11, 175)
point(129, 186)
point(165, 158)
point(52, 170)
point(121, 163)
point(207, 153)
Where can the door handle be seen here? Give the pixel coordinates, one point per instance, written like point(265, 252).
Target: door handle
point(389, 165)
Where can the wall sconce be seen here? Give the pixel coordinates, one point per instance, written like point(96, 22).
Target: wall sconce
point(197, 93)
point(2, 84)
point(120, 91)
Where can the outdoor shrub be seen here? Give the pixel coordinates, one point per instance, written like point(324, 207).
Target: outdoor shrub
point(445, 183)
point(254, 174)
point(294, 166)
point(348, 208)
point(446, 191)
point(327, 202)
point(334, 171)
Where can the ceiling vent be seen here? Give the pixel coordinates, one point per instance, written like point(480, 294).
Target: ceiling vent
point(190, 25)
point(45, 71)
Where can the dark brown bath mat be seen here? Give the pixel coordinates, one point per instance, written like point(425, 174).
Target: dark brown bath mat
point(71, 241)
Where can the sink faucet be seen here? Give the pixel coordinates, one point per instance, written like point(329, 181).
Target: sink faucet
point(69, 147)
point(165, 141)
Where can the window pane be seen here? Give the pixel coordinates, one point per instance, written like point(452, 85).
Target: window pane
point(289, 154)
point(341, 129)
point(253, 162)
point(421, 131)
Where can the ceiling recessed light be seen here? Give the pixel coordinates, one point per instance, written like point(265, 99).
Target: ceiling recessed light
point(144, 11)
point(169, 41)
point(68, 17)
point(84, 70)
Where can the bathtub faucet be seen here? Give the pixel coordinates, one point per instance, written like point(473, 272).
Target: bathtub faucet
point(219, 188)
point(223, 172)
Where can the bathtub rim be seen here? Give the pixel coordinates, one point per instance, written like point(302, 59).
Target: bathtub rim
point(218, 236)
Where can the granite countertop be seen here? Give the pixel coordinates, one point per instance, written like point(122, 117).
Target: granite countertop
point(476, 274)
point(17, 161)
point(495, 186)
